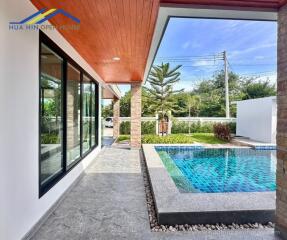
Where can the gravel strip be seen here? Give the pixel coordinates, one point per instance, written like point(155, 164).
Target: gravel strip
point(155, 227)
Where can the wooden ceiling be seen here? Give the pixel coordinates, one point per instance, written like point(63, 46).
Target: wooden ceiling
point(108, 29)
point(122, 28)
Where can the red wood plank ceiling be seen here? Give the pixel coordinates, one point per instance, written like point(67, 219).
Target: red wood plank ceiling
point(124, 29)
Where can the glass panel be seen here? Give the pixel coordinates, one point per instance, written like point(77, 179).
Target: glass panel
point(102, 119)
point(51, 129)
point(93, 113)
point(73, 114)
point(97, 107)
point(86, 114)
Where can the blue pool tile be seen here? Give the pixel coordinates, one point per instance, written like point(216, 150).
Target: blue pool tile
point(221, 170)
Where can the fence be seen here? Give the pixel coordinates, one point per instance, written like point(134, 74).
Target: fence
point(150, 125)
point(187, 119)
point(205, 119)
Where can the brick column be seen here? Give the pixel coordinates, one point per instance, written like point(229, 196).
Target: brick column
point(281, 201)
point(136, 110)
point(116, 118)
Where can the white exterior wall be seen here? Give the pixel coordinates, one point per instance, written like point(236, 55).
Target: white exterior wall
point(256, 119)
point(20, 206)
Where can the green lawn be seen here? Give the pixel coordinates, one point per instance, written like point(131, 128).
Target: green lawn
point(207, 138)
point(123, 138)
point(178, 138)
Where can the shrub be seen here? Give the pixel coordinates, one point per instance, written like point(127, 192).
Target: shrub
point(179, 127)
point(232, 127)
point(206, 128)
point(222, 131)
point(195, 127)
point(125, 128)
point(47, 138)
point(147, 127)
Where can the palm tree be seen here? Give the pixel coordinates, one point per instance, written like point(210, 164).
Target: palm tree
point(161, 80)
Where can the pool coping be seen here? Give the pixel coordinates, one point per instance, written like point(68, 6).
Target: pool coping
point(173, 207)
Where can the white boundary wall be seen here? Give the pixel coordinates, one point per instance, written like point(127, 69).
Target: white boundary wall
point(256, 119)
point(20, 206)
point(186, 119)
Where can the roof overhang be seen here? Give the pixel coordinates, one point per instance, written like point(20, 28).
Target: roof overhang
point(119, 39)
point(114, 36)
point(111, 92)
point(270, 4)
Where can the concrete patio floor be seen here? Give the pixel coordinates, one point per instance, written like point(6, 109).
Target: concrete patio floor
point(109, 202)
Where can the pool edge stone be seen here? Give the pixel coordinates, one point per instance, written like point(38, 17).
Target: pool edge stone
point(173, 207)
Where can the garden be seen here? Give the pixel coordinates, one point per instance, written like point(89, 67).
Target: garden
point(159, 98)
point(182, 132)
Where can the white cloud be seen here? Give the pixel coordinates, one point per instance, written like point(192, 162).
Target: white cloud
point(201, 63)
point(186, 45)
point(259, 57)
point(272, 78)
point(189, 44)
point(186, 85)
point(251, 49)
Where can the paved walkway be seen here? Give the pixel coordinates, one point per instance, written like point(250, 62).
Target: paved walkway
point(109, 203)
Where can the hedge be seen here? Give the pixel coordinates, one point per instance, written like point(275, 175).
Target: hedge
point(147, 127)
point(197, 127)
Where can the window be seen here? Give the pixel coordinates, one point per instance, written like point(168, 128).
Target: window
point(51, 115)
point(73, 114)
point(86, 137)
point(93, 114)
point(68, 119)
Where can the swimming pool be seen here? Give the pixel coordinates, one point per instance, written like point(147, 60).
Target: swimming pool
point(218, 170)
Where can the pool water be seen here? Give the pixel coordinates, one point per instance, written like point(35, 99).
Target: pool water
point(220, 170)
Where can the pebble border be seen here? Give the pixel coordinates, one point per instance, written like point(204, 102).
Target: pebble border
point(155, 227)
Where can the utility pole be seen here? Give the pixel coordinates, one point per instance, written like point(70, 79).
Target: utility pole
point(227, 109)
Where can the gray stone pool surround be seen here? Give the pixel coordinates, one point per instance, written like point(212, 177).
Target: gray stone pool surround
point(173, 207)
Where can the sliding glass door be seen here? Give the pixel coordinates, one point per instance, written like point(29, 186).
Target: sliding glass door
point(93, 113)
point(51, 115)
point(68, 114)
point(86, 114)
point(73, 113)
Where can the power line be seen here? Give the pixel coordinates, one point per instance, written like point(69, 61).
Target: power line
point(216, 59)
point(199, 66)
point(258, 73)
point(250, 65)
point(198, 56)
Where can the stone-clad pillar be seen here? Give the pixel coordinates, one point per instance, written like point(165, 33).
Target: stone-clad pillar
point(116, 118)
point(136, 115)
point(281, 201)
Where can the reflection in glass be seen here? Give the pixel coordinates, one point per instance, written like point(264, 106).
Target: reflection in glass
point(86, 114)
point(73, 114)
point(93, 117)
point(51, 129)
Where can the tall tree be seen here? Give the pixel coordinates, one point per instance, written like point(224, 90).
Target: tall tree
point(161, 80)
point(259, 89)
point(107, 111)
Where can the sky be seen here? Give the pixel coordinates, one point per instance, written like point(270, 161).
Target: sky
point(251, 48)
